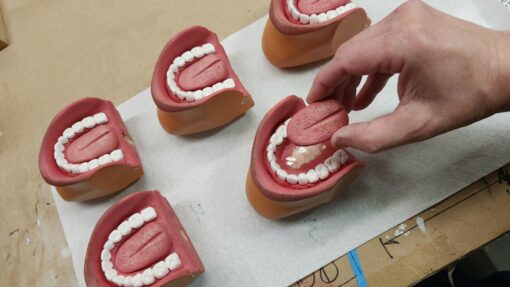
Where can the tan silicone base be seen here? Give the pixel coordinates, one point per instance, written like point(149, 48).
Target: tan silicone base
point(104, 182)
point(272, 209)
point(218, 111)
point(286, 51)
point(183, 281)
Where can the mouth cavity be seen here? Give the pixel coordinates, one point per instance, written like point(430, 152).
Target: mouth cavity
point(307, 12)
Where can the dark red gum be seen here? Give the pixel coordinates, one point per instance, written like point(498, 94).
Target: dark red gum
point(274, 200)
point(288, 43)
point(181, 117)
point(191, 265)
point(101, 181)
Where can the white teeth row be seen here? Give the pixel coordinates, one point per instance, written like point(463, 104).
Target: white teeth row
point(149, 275)
point(321, 172)
point(189, 57)
point(77, 128)
point(317, 18)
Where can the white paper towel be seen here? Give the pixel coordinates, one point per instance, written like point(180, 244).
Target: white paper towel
point(203, 176)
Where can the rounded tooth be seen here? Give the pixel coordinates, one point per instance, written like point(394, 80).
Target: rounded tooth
point(287, 121)
point(149, 214)
point(106, 255)
point(302, 179)
point(69, 133)
point(179, 62)
point(350, 6)
point(342, 156)
point(93, 164)
point(115, 236)
point(207, 91)
point(125, 228)
point(314, 19)
point(274, 165)
point(332, 14)
point(119, 279)
point(88, 122)
point(173, 87)
point(58, 154)
point(282, 131)
point(110, 274)
point(117, 155)
point(160, 270)
point(181, 95)
point(128, 281)
point(333, 164)
point(173, 68)
point(58, 147)
point(62, 139)
point(276, 139)
point(304, 19)
point(229, 84)
point(282, 174)
point(208, 48)
point(295, 13)
point(75, 168)
point(292, 178)
point(136, 220)
point(323, 17)
point(271, 147)
point(190, 97)
point(66, 167)
point(78, 127)
point(173, 261)
point(100, 118)
point(138, 280)
point(108, 245)
point(61, 162)
point(148, 276)
point(198, 95)
point(270, 156)
point(188, 56)
point(84, 167)
point(290, 3)
point(105, 159)
point(170, 76)
point(340, 10)
point(322, 171)
point(312, 176)
point(106, 265)
point(198, 52)
point(218, 87)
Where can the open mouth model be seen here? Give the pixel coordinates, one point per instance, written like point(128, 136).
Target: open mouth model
point(316, 11)
point(193, 73)
point(88, 137)
point(139, 241)
point(282, 171)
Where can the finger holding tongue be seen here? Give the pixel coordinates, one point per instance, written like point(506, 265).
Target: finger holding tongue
point(317, 123)
point(319, 6)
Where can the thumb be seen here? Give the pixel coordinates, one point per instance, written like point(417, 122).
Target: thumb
point(405, 125)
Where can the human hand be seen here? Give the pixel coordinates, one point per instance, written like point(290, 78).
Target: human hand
point(451, 74)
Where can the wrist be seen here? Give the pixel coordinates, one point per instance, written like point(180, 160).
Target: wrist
point(501, 92)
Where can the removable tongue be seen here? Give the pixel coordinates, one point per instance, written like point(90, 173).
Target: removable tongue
point(317, 123)
point(92, 144)
point(204, 73)
point(144, 248)
point(319, 6)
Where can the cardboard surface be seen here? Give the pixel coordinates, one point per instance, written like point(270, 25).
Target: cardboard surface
point(3, 33)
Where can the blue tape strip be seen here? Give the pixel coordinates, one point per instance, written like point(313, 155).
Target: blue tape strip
point(356, 268)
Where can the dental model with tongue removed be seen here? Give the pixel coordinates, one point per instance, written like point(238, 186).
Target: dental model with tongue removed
point(87, 153)
point(194, 86)
point(294, 167)
point(139, 241)
point(300, 32)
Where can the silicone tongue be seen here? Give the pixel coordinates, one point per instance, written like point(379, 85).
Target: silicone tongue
point(317, 123)
point(319, 6)
point(204, 73)
point(93, 144)
point(145, 247)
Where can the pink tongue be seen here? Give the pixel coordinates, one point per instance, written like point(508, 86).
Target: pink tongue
point(144, 248)
point(319, 6)
point(204, 73)
point(93, 144)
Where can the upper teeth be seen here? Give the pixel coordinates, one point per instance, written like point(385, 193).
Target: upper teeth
point(142, 278)
point(321, 172)
point(77, 128)
point(188, 57)
point(317, 18)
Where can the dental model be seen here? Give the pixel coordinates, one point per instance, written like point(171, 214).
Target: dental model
point(86, 152)
point(138, 242)
point(300, 32)
point(194, 87)
point(286, 178)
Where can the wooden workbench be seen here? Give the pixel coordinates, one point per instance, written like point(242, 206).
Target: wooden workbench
point(60, 51)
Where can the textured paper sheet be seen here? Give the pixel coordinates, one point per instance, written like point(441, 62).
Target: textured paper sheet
point(203, 176)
